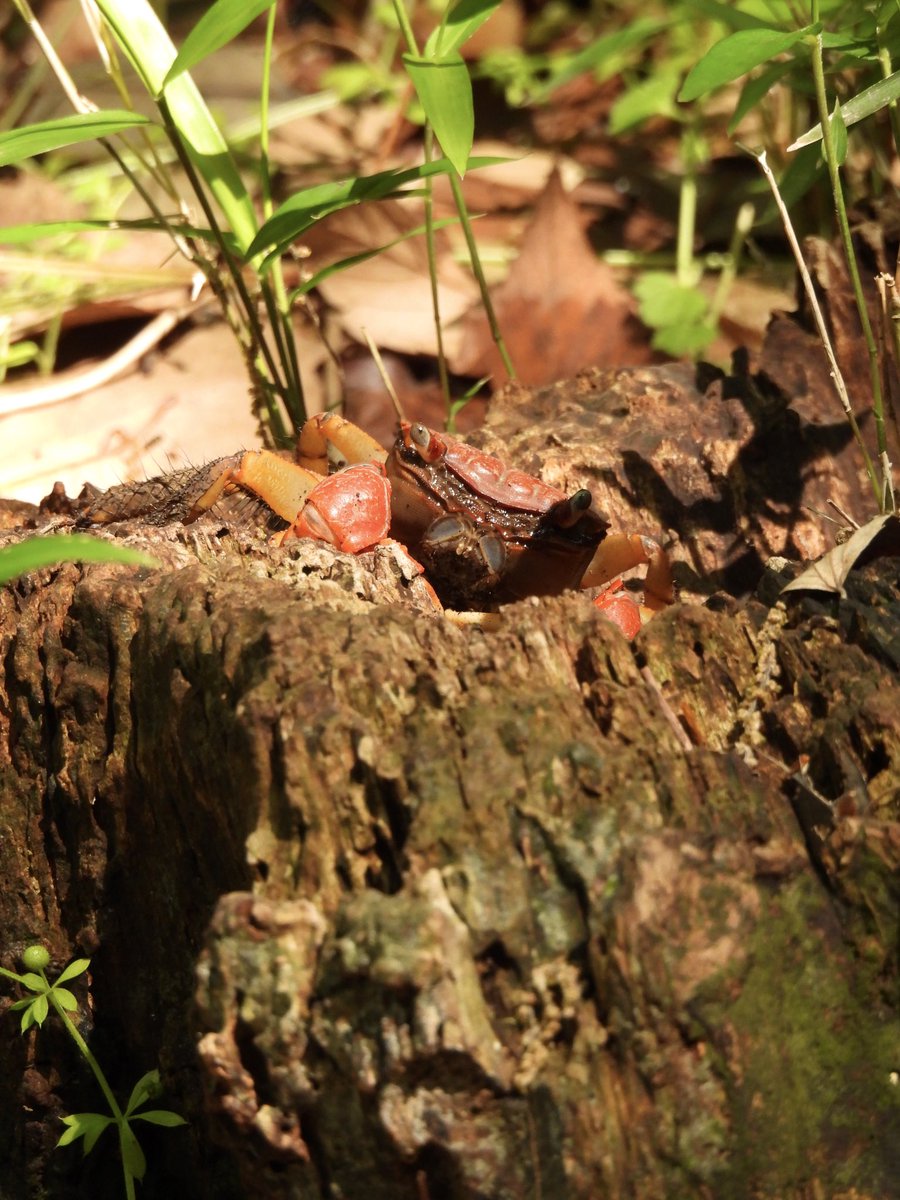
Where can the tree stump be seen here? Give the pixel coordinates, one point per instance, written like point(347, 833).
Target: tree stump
point(411, 911)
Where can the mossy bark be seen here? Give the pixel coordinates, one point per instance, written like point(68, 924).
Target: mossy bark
point(405, 910)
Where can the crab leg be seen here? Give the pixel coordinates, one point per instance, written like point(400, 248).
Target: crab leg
point(328, 429)
point(620, 552)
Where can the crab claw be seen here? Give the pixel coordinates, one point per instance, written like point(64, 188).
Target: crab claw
point(326, 430)
point(620, 552)
point(351, 509)
point(620, 608)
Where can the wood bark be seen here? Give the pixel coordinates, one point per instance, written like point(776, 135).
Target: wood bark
point(406, 910)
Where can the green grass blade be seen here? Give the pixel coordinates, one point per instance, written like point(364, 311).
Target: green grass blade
point(445, 92)
point(23, 235)
point(38, 552)
point(219, 25)
point(145, 42)
point(29, 140)
point(867, 102)
point(304, 208)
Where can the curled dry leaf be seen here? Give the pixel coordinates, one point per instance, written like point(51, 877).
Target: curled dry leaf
point(878, 538)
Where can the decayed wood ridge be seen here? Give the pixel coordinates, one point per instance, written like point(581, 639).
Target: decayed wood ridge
point(404, 911)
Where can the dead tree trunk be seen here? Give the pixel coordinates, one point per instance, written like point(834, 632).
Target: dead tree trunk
point(403, 910)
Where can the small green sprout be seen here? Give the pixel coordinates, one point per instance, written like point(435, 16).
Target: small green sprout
point(35, 1009)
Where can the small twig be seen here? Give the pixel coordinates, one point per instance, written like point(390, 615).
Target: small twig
point(24, 398)
point(818, 317)
point(667, 711)
point(385, 378)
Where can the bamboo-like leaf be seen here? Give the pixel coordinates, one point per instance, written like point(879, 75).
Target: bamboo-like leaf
point(464, 19)
point(864, 104)
point(39, 552)
point(445, 92)
point(304, 208)
point(737, 54)
point(29, 140)
point(144, 40)
point(23, 235)
point(219, 25)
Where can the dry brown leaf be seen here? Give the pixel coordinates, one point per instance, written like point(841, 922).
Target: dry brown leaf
point(878, 538)
point(560, 308)
point(388, 296)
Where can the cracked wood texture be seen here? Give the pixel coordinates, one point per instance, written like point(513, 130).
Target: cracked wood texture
point(414, 912)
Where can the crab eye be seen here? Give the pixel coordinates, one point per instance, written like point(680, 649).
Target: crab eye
point(430, 445)
point(568, 512)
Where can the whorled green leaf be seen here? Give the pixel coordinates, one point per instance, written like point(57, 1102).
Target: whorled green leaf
point(445, 93)
point(464, 19)
point(65, 998)
point(219, 25)
point(35, 1013)
point(132, 1154)
point(28, 140)
point(146, 1087)
point(737, 54)
point(39, 552)
point(864, 104)
point(754, 89)
point(76, 967)
point(161, 1116)
point(83, 1125)
point(304, 208)
point(33, 981)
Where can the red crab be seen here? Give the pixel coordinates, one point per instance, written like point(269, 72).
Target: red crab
point(484, 532)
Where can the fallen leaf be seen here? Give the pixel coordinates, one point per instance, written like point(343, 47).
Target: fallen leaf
point(560, 308)
point(878, 538)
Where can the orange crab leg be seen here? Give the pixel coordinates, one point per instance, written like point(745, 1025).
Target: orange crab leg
point(620, 552)
point(328, 429)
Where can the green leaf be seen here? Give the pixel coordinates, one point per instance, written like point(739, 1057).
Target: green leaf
point(353, 260)
point(39, 552)
point(146, 1087)
point(682, 340)
point(218, 26)
point(304, 208)
point(654, 96)
point(29, 140)
point(838, 135)
point(37, 1011)
point(64, 998)
point(463, 20)
point(13, 235)
point(161, 1116)
point(445, 93)
point(728, 14)
point(870, 100)
point(664, 301)
point(86, 1125)
point(75, 968)
point(737, 54)
point(34, 981)
point(132, 1154)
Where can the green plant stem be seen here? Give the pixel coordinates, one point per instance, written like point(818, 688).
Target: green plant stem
point(281, 317)
point(259, 347)
point(849, 254)
point(107, 1091)
point(431, 251)
point(465, 220)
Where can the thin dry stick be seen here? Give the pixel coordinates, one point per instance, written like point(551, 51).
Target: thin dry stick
point(43, 395)
point(836, 375)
